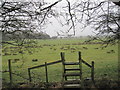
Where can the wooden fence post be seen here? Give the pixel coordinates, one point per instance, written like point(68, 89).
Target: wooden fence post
point(63, 57)
point(30, 79)
point(63, 61)
point(80, 61)
point(92, 71)
point(10, 71)
point(46, 71)
point(80, 65)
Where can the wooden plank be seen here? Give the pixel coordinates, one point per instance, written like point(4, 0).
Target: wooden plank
point(72, 86)
point(72, 82)
point(72, 74)
point(44, 64)
point(72, 69)
point(86, 63)
point(71, 63)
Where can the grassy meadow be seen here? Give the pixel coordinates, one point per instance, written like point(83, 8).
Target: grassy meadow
point(106, 60)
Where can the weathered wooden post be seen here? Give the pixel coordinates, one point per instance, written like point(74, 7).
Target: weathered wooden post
point(46, 71)
point(10, 71)
point(80, 66)
point(30, 79)
point(92, 71)
point(63, 62)
point(62, 57)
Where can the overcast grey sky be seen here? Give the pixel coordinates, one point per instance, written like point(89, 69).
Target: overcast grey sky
point(56, 27)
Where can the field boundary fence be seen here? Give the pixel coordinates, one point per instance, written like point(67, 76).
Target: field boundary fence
point(60, 61)
point(46, 69)
point(11, 73)
point(42, 65)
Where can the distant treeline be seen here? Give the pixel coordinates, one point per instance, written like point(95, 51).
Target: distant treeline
point(24, 35)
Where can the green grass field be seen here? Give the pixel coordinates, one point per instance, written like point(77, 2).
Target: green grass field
point(106, 62)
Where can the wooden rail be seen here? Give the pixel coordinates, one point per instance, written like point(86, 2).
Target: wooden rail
point(51, 63)
point(92, 68)
point(86, 63)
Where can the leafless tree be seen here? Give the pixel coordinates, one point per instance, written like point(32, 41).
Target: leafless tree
point(103, 17)
point(107, 22)
point(23, 17)
point(18, 17)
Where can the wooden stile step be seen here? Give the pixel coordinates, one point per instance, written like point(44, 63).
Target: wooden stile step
point(71, 63)
point(72, 82)
point(72, 69)
point(71, 74)
point(72, 86)
point(70, 79)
